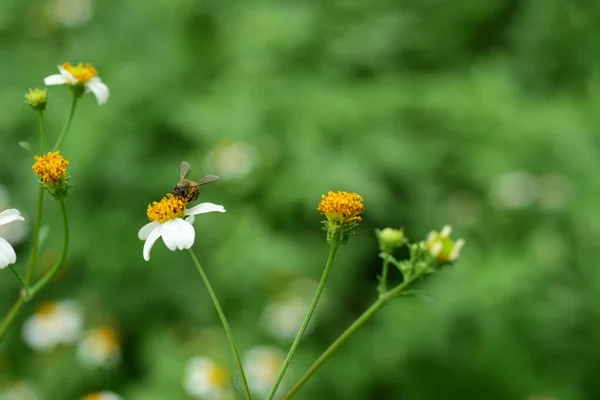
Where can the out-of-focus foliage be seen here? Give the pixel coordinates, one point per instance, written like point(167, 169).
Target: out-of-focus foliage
point(480, 114)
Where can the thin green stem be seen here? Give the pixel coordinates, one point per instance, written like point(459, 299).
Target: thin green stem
point(42, 133)
point(343, 338)
point(61, 259)
point(61, 138)
point(21, 280)
point(12, 313)
point(382, 288)
point(313, 305)
point(36, 236)
point(215, 301)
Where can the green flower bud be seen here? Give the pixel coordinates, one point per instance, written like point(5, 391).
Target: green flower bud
point(37, 99)
point(390, 239)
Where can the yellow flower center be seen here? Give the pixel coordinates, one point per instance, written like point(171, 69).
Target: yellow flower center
point(217, 377)
point(51, 167)
point(93, 396)
point(46, 309)
point(169, 207)
point(342, 206)
point(106, 339)
point(82, 73)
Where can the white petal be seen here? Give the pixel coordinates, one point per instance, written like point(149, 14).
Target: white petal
point(7, 254)
point(150, 240)
point(10, 216)
point(190, 219)
point(204, 208)
point(178, 234)
point(146, 229)
point(99, 89)
point(67, 75)
point(55, 79)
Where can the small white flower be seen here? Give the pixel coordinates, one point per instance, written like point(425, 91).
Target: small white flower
point(262, 365)
point(232, 159)
point(70, 13)
point(80, 75)
point(205, 379)
point(283, 317)
point(167, 222)
point(100, 347)
point(7, 253)
point(53, 324)
point(19, 391)
point(105, 395)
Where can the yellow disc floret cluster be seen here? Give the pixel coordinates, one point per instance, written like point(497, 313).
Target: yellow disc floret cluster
point(342, 206)
point(82, 73)
point(51, 168)
point(94, 396)
point(169, 207)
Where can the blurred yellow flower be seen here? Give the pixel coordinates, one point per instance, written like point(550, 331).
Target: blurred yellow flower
point(205, 379)
point(53, 324)
point(100, 347)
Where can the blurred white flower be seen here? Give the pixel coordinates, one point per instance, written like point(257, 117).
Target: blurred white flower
point(555, 190)
point(70, 13)
point(7, 253)
point(232, 159)
point(80, 75)
point(53, 324)
point(106, 395)
point(19, 391)
point(205, 379)
point(262, 365)
point(168, 223)
point(514, 190)
point(100, 347)
point(283, 317)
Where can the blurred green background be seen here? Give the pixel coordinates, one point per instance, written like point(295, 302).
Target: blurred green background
point(479, 114)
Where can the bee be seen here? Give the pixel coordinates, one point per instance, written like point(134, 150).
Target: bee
point(188, 189)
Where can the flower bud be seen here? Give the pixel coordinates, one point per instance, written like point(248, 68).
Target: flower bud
point(390, 239)
point(37, 99)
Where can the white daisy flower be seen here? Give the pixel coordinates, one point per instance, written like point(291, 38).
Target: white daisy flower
point(7, 253)
point(81, 75)
point(283, 317)
point(205, 379)
point(100, 347)
point(19, 391)
point(262, 365)
point(53, 324)
point(168, 223)
point(105, 395)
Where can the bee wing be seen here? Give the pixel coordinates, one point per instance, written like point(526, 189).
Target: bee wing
point(184, 170)
point(208, 179)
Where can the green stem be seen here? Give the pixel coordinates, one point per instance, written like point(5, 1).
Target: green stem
point(36, 235)
point(382, 288)
point(61, 259)
point(8, 319)
point(313, 305)
point(340, 341)
point(21, 281)
point(61, 138)
point(42, 133)
point(215, 301)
